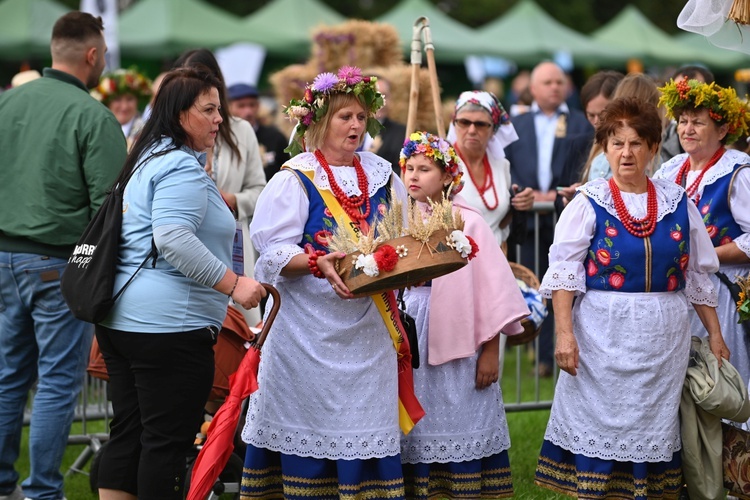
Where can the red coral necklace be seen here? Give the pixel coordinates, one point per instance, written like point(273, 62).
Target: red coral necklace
point(351, 204)
point(489, 180)
point(685, 168)
point(641, 228)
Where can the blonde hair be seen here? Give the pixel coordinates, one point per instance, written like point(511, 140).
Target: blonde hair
point(317, 131)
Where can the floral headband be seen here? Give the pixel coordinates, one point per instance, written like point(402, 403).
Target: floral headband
point(439, 151)
point(488, 101)
point(121, 82)
point(314, 105)
point(722, 103)
point(504, 132)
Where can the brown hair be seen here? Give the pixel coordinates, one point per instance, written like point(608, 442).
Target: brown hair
point(317, 131)
point(204, 59)
point(72, 32)
point(631, 112)
point(634, 85)
point(601, 83)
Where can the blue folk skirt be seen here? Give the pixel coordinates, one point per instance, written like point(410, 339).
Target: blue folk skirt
point(594, 478)
point(273, 475)
point(481, 478)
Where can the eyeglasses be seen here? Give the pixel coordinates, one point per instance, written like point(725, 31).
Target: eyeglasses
point(464, 123)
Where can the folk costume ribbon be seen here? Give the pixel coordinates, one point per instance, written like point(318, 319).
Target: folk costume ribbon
point(409, 409)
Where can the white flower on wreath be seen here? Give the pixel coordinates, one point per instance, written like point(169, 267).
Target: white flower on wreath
point(368, 265)
point(458, 240)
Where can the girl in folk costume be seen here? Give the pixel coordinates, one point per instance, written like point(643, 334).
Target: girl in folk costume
point(717, 180)
point(633, 253)
point(459, 449)
point(325, 420)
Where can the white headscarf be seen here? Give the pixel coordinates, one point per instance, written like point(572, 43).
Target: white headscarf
point(504, 132)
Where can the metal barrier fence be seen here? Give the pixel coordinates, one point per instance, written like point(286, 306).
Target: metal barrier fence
point(93, 403)
point(515, 401)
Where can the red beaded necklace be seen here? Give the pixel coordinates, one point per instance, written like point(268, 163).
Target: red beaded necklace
point(489, 180)
point(685, 168)
point(641, 228)
point(351, 204)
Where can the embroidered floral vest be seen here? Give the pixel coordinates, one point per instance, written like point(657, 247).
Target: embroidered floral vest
point(713, 205)
point(619, 261)
point(320, 222)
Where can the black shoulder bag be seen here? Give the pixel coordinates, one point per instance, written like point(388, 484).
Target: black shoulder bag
point(88, 281)
point(410, 327)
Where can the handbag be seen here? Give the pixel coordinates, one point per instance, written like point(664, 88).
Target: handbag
point(410, 327)
point(736, 460)
point(88, 281)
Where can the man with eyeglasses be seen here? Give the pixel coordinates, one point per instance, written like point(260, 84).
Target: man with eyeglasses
point(536, 160)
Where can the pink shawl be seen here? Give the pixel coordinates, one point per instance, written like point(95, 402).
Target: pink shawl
point(470, 306)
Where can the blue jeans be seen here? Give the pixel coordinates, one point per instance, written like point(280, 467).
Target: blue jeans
point(39, 340)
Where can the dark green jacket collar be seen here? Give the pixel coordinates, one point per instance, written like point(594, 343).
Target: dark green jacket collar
point(64, 77)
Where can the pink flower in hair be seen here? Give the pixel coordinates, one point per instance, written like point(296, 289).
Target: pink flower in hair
point(352, 75)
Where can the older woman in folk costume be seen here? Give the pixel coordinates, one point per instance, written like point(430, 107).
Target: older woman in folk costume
point(634, 252)
point(325, 421)
point(459, 449)
point(479, 131)
point(717, 180)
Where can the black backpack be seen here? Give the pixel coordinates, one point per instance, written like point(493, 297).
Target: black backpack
point(89, 278)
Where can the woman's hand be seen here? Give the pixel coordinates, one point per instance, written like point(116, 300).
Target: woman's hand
point(568, 192)
point(488, 363)
point(522, 200)
point(566, 352)
point(326, 265)
point(248, 292)
point(718, 347)
point(710, 320)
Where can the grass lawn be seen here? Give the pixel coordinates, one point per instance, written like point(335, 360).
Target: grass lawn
point(526, 432)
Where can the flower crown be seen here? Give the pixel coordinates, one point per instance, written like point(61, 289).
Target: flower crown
point(437, 149)
point(314, 104)
point(722, 103)
point(120, 82)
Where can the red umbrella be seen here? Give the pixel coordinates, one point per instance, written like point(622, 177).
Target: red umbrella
point(219, 444)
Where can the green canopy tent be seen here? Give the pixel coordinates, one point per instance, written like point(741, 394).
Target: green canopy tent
point(720, 59)
point(154, 29)
point(527, 35)
point(284, 27)
point(452, 40)
point(26, 28)
point(634, 33)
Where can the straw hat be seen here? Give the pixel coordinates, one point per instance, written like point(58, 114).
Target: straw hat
point(24, 77)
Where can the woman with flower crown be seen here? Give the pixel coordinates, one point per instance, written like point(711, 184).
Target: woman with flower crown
point(717, 180)
point(459, 449)
point(121, 92)
point(325, 420)
point(632, 252)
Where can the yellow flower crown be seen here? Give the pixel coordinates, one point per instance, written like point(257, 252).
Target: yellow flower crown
point(722, 103)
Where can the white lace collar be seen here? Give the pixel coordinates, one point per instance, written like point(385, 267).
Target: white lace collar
point(668, 195)
point(377, 169)
point(725, 165)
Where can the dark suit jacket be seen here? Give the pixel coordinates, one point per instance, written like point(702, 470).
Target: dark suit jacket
point(522, 154)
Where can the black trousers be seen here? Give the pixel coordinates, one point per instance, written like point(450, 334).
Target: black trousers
point(159, 384)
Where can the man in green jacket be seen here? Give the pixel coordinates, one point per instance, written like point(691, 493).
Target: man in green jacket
point(61, 152)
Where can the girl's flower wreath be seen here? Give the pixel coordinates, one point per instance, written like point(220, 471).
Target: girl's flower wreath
point(722, 103)
point(438, 150)
point(314, 103)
